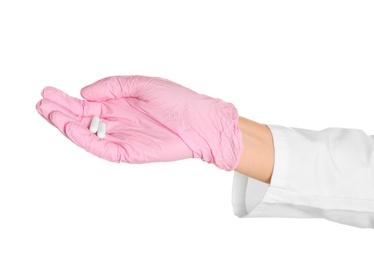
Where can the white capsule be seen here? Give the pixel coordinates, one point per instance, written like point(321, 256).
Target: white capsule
point(101, 131)
point(94, 124)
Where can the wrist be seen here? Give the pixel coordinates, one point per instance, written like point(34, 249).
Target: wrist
point(257, 158)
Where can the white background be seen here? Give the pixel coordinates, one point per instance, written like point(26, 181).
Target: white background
point(306, 64)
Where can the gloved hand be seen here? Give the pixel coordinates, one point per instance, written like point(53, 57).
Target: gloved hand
point(148, 120)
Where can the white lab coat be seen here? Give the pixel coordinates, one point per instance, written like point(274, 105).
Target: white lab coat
point(317, 174)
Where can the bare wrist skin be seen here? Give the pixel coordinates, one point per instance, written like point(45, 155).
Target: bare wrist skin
point(257, 158)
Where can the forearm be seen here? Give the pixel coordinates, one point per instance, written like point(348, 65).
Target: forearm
point(257, 158)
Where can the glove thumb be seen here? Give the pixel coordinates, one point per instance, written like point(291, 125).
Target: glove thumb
point(116, 87)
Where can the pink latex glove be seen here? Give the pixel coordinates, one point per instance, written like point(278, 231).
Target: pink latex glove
point(148, 120)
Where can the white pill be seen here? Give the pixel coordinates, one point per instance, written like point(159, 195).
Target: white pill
point(94, 124)
point(101, 131)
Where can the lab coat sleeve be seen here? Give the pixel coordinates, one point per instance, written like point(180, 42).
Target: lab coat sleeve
point(317, 174)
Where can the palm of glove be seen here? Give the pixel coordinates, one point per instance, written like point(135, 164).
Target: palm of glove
point(148, 120)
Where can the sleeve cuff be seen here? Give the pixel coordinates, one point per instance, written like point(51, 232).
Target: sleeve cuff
point(253, 198)
point(317, 174)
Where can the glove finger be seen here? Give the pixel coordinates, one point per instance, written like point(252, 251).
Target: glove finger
point(80, 135)
point(102, 148)
point(141, 87)
point(60, 120)
point(45, 107)
point(74, 105)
